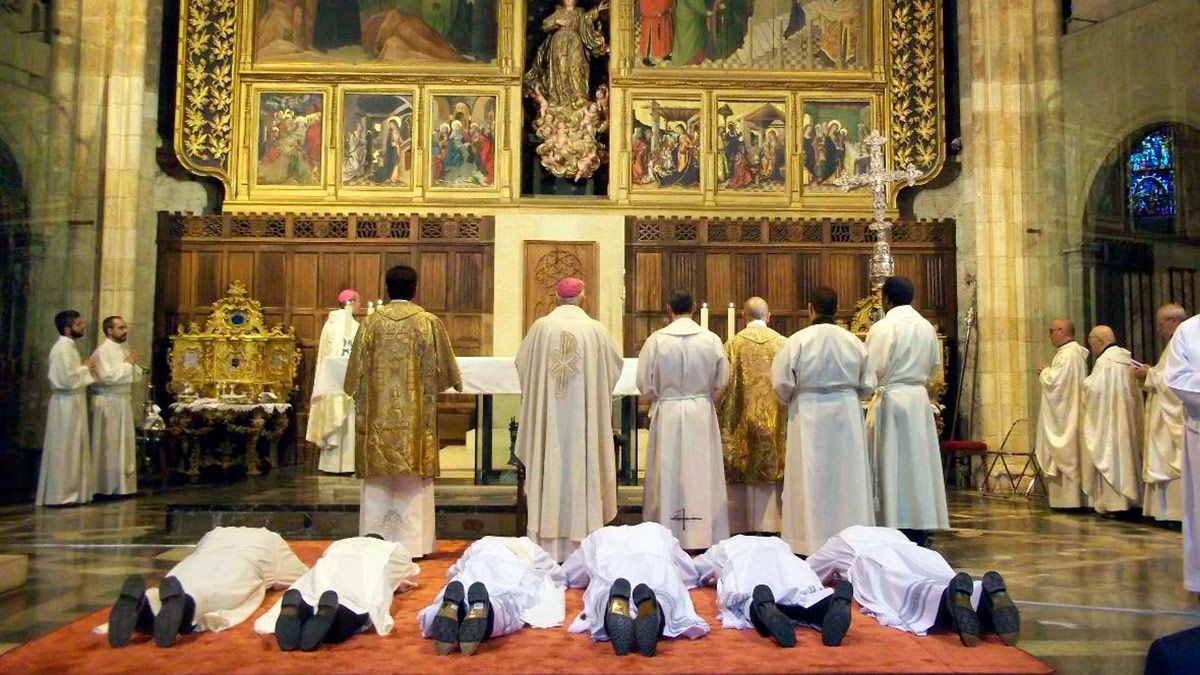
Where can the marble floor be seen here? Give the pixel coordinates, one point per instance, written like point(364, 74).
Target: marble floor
point(1094, 592)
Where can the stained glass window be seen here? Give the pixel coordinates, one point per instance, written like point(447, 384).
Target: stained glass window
point(1152, 176)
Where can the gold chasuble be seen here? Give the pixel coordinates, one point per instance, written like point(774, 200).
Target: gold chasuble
point(400, 362)
point(753, 421)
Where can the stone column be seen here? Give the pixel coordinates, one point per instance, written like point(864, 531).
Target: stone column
point(1013, 165)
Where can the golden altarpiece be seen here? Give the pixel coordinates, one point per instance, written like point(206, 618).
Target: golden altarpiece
point(350, 136)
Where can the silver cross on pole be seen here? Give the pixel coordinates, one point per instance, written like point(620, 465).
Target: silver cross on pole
point(878, 178)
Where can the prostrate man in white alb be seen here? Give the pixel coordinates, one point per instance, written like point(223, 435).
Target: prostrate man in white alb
point(762, 584)
point(330, 410)
point(216, 587)
point(912, 588)
point(568, 368)
point(114, 454)
point(1113, 417)
point(65, 476)
point(1059, 447)
point(1183, 378)
point(499, 585)
point(904, 354)
point(349, 588)
point(1162, 458)
point(682, 371)
point(822, 375)
point(637, 580)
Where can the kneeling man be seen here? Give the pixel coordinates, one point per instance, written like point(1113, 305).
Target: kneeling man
point(913, 588)
point(508, 582)
point(637, 580)
point(761, 583)
point(216, 587)
point(350, 588)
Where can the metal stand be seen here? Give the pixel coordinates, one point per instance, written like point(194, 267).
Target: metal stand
point(1029, 469)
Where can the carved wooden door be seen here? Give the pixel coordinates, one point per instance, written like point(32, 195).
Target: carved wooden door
point(548, 261)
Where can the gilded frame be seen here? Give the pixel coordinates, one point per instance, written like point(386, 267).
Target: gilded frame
point(624, 154)
point(838, 199)
point(250, 160)
point(383, 193)
point(500, 135)
point(733, 196)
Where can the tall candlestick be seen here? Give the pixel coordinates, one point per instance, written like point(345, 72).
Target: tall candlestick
point(704, 316)
point(730, 322)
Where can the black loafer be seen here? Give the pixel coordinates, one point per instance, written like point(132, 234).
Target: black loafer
point(837, 618)
point(647, 627)
point(317, 627)
point(958, 606)
point(477, 624)
point(444, 629)
point(999, 610)
point(169, 622)
point(768, 620)
point(130, 603)
point(617, 621)
point(293, 613)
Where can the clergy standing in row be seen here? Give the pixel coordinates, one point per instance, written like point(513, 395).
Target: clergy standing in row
point(904, 354)
point(402, 359)
point(1163, 453)
point(682, 371)
point(1183, 378)
point(331, 411)
point(114, 453)
point(1059, 448)
point(65, 476)
point(822, 375)
point(753, 425)
point(1112, 425)
point(568, 367)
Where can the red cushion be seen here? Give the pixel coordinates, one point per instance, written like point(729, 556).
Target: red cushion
point(964, 447)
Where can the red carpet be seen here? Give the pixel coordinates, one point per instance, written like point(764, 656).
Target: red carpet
point(868, 648)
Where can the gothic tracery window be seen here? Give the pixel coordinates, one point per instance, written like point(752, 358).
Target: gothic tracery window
point(1152, 181)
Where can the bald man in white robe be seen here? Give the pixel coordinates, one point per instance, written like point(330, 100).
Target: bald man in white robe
point(1059, 443)
point(1183, 378)
point(1162, 457)
point(1113, 418)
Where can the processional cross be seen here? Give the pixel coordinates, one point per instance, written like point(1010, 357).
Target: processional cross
point(878, 178)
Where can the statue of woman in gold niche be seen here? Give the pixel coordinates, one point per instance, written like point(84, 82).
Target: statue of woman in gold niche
point(560, 67)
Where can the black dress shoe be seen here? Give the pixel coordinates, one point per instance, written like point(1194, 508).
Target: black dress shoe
point(647, 628)
point(997, 609)
point(315, 629)
point(129, 607)
point(958, 607)
point(837, 618)
point(647, 62)
point(177, 607)
point(444, 630)
point(617, 621)
point(477, 624)
point(768, 620)
point(293, 613)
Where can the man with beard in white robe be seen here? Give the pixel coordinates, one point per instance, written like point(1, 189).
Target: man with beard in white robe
point(1112, 425)
point(349, 588)
point(904, 353)
point(568, 367)
point(682, 370)
point(762, 584)
point(1162, 456)
point(1183, 377)
point(1059, 442)
point(822, 374)
point(914, 589)
point(65, 475)
point(216, 587)
point(499, 585)
point(637, 580)
point(331, 410)
point(114, 453)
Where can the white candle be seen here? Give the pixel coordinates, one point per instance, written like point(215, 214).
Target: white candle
point(370, 308)
point(730, 322)
point(704, 316)
point(347, 323)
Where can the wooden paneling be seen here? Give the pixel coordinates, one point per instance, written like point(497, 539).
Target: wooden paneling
point(647, 296)
point(548, 261)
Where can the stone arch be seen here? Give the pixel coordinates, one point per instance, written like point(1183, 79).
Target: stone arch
point(15, 238)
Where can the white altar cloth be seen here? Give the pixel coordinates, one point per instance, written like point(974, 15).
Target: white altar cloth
point(498, 375)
